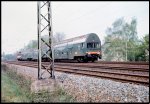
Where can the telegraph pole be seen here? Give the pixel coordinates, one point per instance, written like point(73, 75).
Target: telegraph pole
point(44, 27)
point(126, 52)
point(127, 48)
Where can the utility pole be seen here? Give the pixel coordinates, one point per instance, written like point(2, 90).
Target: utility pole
point(44, 16)
point(127, 48)
point(126, 51)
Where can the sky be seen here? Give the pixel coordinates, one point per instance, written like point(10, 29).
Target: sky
point(74, 18)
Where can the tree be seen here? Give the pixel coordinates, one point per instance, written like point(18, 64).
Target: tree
point(120, 40)
point(2, 56)
point(33, 44)
point(142, 52)
point(146, 42)
point(131, 39)
point(9, 57)
point(146, 47)
point(59, 37)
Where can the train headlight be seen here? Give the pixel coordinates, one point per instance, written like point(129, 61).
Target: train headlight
point(98, 52)
point(92, 53)
point(18, 56)
point(88, 53)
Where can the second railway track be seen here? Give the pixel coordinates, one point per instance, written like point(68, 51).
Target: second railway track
point(131, 73)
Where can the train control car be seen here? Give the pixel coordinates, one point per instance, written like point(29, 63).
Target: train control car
point(19, 56)
point(28, 55)
point(83, 48)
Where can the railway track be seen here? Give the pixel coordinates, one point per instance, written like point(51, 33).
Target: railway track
point(108, 62)
point(115, 62)
point(133, 73)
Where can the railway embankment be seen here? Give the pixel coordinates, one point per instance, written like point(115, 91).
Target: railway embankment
point(90, 89)
point(17, 88)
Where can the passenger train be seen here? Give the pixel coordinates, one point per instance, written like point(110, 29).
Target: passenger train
point(83, 49)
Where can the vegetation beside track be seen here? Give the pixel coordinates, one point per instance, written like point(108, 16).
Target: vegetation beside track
point(16, 88)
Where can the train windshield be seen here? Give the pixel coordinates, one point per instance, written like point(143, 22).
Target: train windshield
point(93, 45)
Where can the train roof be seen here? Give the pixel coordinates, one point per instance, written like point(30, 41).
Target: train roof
point(78, 39)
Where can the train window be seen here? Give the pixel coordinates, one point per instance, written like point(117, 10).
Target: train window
point(93, 45)
point(98, 45)
point(79, 47)
point(82, 45)
point(89, 45)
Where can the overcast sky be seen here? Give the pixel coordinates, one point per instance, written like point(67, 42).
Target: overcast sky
point(19, 20)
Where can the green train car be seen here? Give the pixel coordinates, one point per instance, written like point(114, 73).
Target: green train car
point(83, 48)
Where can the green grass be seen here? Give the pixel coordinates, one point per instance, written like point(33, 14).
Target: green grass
point(56, 96)
point(11, 91)
point(15, 88)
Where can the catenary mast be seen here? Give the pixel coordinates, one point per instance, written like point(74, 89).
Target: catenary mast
point(44, 16)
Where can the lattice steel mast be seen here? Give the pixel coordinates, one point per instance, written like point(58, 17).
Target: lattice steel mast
point(45, 27)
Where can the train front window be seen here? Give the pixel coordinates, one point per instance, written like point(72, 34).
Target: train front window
point(93, 45)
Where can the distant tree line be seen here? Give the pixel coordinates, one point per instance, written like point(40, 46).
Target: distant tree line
point(33, 45)
point(10, 57)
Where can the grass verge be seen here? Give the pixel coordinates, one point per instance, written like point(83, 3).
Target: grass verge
point(16, 88)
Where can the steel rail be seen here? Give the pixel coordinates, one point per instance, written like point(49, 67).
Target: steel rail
point(137, 78)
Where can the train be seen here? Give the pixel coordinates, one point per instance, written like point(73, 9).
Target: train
point(83, 48)
point(27, 55)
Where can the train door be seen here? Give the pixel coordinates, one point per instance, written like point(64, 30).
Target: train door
point(69, 53)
